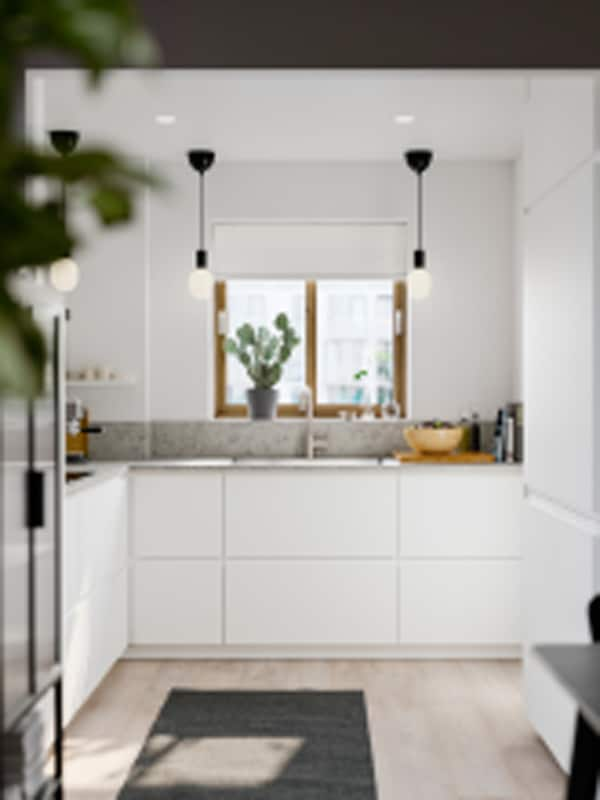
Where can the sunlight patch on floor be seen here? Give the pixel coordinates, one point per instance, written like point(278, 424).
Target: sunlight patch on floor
point(224, 762)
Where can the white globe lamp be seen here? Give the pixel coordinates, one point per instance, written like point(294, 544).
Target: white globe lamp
point(64, 275)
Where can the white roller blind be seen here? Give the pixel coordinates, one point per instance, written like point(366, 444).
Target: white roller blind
point(309, 249)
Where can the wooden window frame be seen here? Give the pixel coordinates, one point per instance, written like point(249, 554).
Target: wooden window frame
point(323, 410)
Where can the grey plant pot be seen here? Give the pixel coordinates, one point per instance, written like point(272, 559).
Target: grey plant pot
point(262, 403)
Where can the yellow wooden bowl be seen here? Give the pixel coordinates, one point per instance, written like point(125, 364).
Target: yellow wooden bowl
point(433, 440)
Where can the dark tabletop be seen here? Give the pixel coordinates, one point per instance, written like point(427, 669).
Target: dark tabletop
point(577, 667)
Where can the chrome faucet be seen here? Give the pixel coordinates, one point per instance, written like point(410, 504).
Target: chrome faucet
point(315, 443)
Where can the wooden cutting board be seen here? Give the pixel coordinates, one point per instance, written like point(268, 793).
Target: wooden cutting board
point(410, 457)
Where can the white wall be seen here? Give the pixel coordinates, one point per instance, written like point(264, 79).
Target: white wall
point(463, 348)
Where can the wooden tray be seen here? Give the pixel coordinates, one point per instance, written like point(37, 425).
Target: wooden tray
point(410, 457)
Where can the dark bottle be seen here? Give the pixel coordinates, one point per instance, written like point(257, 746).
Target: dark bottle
point(475, 433)
point(499, 436)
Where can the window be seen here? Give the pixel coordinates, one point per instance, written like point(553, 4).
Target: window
point(353, 342)
point(259, 302)
point(354, 334)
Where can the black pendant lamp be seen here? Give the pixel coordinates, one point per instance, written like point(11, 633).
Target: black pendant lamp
point(64, 273)
point(200, 280)
point(419, 279)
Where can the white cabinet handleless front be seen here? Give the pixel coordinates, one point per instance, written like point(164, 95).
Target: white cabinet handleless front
point(176, 603)
point(471, 512)
point(311, 603)
point(176, 514)
point(94, 625)
point(470, 602)
point(324, 514)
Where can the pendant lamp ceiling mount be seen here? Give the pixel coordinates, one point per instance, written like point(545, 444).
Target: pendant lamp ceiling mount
point(419, 160)
point(201, 160)
point(64, 141)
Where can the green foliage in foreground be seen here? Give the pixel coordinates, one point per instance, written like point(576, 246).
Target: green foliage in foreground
point(96, 34)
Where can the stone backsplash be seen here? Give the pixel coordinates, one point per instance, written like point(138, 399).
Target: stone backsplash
point(132, 441)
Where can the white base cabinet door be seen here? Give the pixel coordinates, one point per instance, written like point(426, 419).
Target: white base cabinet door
point(310, 602)
point(176, 513)
point(325, 514)
point(460, 603)
point(176, 603)
point(461, 512)
point(94, 632)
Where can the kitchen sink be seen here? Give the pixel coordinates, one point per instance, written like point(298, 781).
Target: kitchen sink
point(253, 461)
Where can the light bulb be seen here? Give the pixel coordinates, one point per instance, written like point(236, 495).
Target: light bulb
point(200, 283)
point(64, 274)
point(419, 283)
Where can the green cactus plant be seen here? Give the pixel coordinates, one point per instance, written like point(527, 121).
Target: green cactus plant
point(262, 352)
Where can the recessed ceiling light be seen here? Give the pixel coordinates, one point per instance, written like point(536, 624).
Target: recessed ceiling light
point(404, 119)
point(165, 119)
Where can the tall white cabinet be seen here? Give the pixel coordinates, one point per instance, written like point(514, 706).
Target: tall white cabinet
point(561, 569)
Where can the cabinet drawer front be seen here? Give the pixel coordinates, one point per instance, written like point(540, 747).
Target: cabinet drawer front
point(77, 559)
point(461, 512)
point(77, 658)
point(109, 625)
point(310, 603)
point(95, 539)
point(105, 525)
point(269, 514)
point(176, 602)
point(463, 602)
point(176, 514)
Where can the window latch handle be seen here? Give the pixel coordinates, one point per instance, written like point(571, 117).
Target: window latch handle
point(222, 323)
point(398, 322)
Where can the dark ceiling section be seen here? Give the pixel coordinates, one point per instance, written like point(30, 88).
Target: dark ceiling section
point(373, 33)
point(376, 33)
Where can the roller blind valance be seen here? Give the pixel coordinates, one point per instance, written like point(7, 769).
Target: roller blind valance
point(309, 249)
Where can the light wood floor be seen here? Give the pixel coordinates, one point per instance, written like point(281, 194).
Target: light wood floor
point(440, 730)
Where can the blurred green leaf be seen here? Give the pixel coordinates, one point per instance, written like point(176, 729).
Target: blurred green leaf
point(22, 349)
point(97, 35)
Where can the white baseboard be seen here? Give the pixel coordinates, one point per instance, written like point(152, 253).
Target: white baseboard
point(394, 652)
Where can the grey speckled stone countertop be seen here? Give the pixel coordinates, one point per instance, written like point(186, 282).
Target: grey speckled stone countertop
point(102, 471)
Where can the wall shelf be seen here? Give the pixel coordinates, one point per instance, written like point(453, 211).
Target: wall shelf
point(117, 383)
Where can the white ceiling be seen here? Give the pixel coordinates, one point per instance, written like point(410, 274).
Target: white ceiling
point(285, 115)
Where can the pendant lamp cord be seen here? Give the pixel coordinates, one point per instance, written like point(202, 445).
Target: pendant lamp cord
point(201, 177)
point(420, 211)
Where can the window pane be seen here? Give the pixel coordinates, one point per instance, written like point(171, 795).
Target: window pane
point(259, 302)
point(354, 332)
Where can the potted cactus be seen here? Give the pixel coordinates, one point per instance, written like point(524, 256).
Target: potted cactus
point(263, 354)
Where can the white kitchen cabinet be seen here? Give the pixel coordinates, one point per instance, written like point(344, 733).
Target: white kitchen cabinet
point(560, 131)
point(109, 625)
point(561, 561)
point(176, 602)
point(561, 328)
point(176, 513)
point(311, 603)
point(325, 558)
point(94, 561)
point(460, 512)
point(460, 602)
point(77, 658)
point(327, 513)
point(77, 557)
point(105, 525)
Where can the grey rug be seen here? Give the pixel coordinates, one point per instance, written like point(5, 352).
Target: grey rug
point(256, 746)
